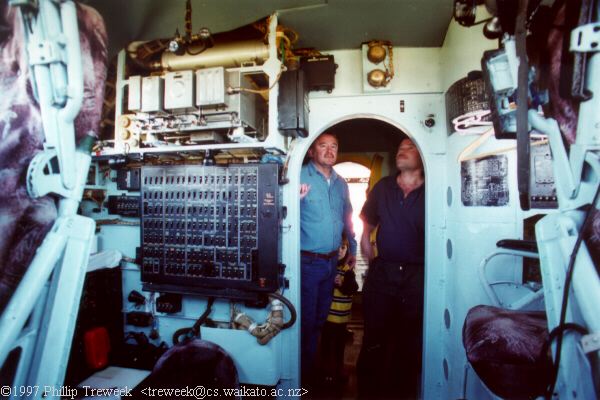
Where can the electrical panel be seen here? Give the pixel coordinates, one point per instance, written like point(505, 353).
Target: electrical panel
point(484, 182)
point(127, 206)
point(128, 179)
point(211, 230)
point(542, 189)
point(194, 107)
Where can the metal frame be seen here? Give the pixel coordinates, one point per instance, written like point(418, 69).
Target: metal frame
point(519, 304)
point(51, 288)
point(577, 177)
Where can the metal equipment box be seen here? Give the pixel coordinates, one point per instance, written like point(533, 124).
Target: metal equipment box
point(210, 86)
point(152, 94)
point(320, 72)
point(292, 103)
point(134, 94)
point(242, 107)
point(179, 90)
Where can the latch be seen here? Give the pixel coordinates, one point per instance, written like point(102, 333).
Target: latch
point(591, 342)
point(586, 38)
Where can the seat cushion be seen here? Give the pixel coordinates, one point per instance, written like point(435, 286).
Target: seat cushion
point(506, 350)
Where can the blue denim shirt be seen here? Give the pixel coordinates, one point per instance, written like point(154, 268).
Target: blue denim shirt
point(325, 212)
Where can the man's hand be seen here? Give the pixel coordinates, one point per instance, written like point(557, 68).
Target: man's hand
point(304, 189)
point(366, 246)
point(351, 261)
point(339, 279)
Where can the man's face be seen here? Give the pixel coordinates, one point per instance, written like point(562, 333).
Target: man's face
point(324, 151)
point(408, 157)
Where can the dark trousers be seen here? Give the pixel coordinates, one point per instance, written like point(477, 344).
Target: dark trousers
point(333, 344)
point(389, 364)
point(316, 294)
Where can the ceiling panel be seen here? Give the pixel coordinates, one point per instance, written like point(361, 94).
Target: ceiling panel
point(322, 24)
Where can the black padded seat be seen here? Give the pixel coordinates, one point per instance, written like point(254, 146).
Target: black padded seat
point(506, 349)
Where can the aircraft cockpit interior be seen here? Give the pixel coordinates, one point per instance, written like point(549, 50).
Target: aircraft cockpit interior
point(328, 199)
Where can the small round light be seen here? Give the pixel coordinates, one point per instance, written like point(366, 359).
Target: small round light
point(376, 78)
point(376, 54)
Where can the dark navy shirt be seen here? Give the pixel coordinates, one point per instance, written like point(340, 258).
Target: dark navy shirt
point(401, 233)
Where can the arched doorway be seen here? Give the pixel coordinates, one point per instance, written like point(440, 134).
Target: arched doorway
point(332, 112)
point(358, 153)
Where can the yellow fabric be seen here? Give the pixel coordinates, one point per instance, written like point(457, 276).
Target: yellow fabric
point(363, 160)
point(341, 306)
point(376, 170)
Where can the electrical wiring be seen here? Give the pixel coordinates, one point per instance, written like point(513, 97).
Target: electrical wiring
point(194, 331)
point(472, 123)
point(274, 323)
point(290, 307)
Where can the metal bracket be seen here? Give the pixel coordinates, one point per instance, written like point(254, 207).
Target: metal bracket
point(586, 38)
point(591, 342)
point(44, 52)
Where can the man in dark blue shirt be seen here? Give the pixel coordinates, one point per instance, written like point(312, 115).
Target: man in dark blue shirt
point(389, 364)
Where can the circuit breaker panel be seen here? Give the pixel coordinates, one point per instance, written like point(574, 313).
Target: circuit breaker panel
point(210, 229)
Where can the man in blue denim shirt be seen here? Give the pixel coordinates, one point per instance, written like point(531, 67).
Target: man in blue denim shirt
point(326, 212)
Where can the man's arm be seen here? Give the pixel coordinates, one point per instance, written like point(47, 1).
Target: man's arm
point(365, 241)
point(349, 229)
point(370, 218)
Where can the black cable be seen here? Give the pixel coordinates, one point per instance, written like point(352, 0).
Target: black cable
point(195, 53)
point(290, 307)
point(569, 326)
point(563, 311)
point(203, 317)
point(483, 21)
point(194, 331)
point(523, 152)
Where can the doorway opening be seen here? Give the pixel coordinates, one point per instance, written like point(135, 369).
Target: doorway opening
point(356, 176)
point(367, 150)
